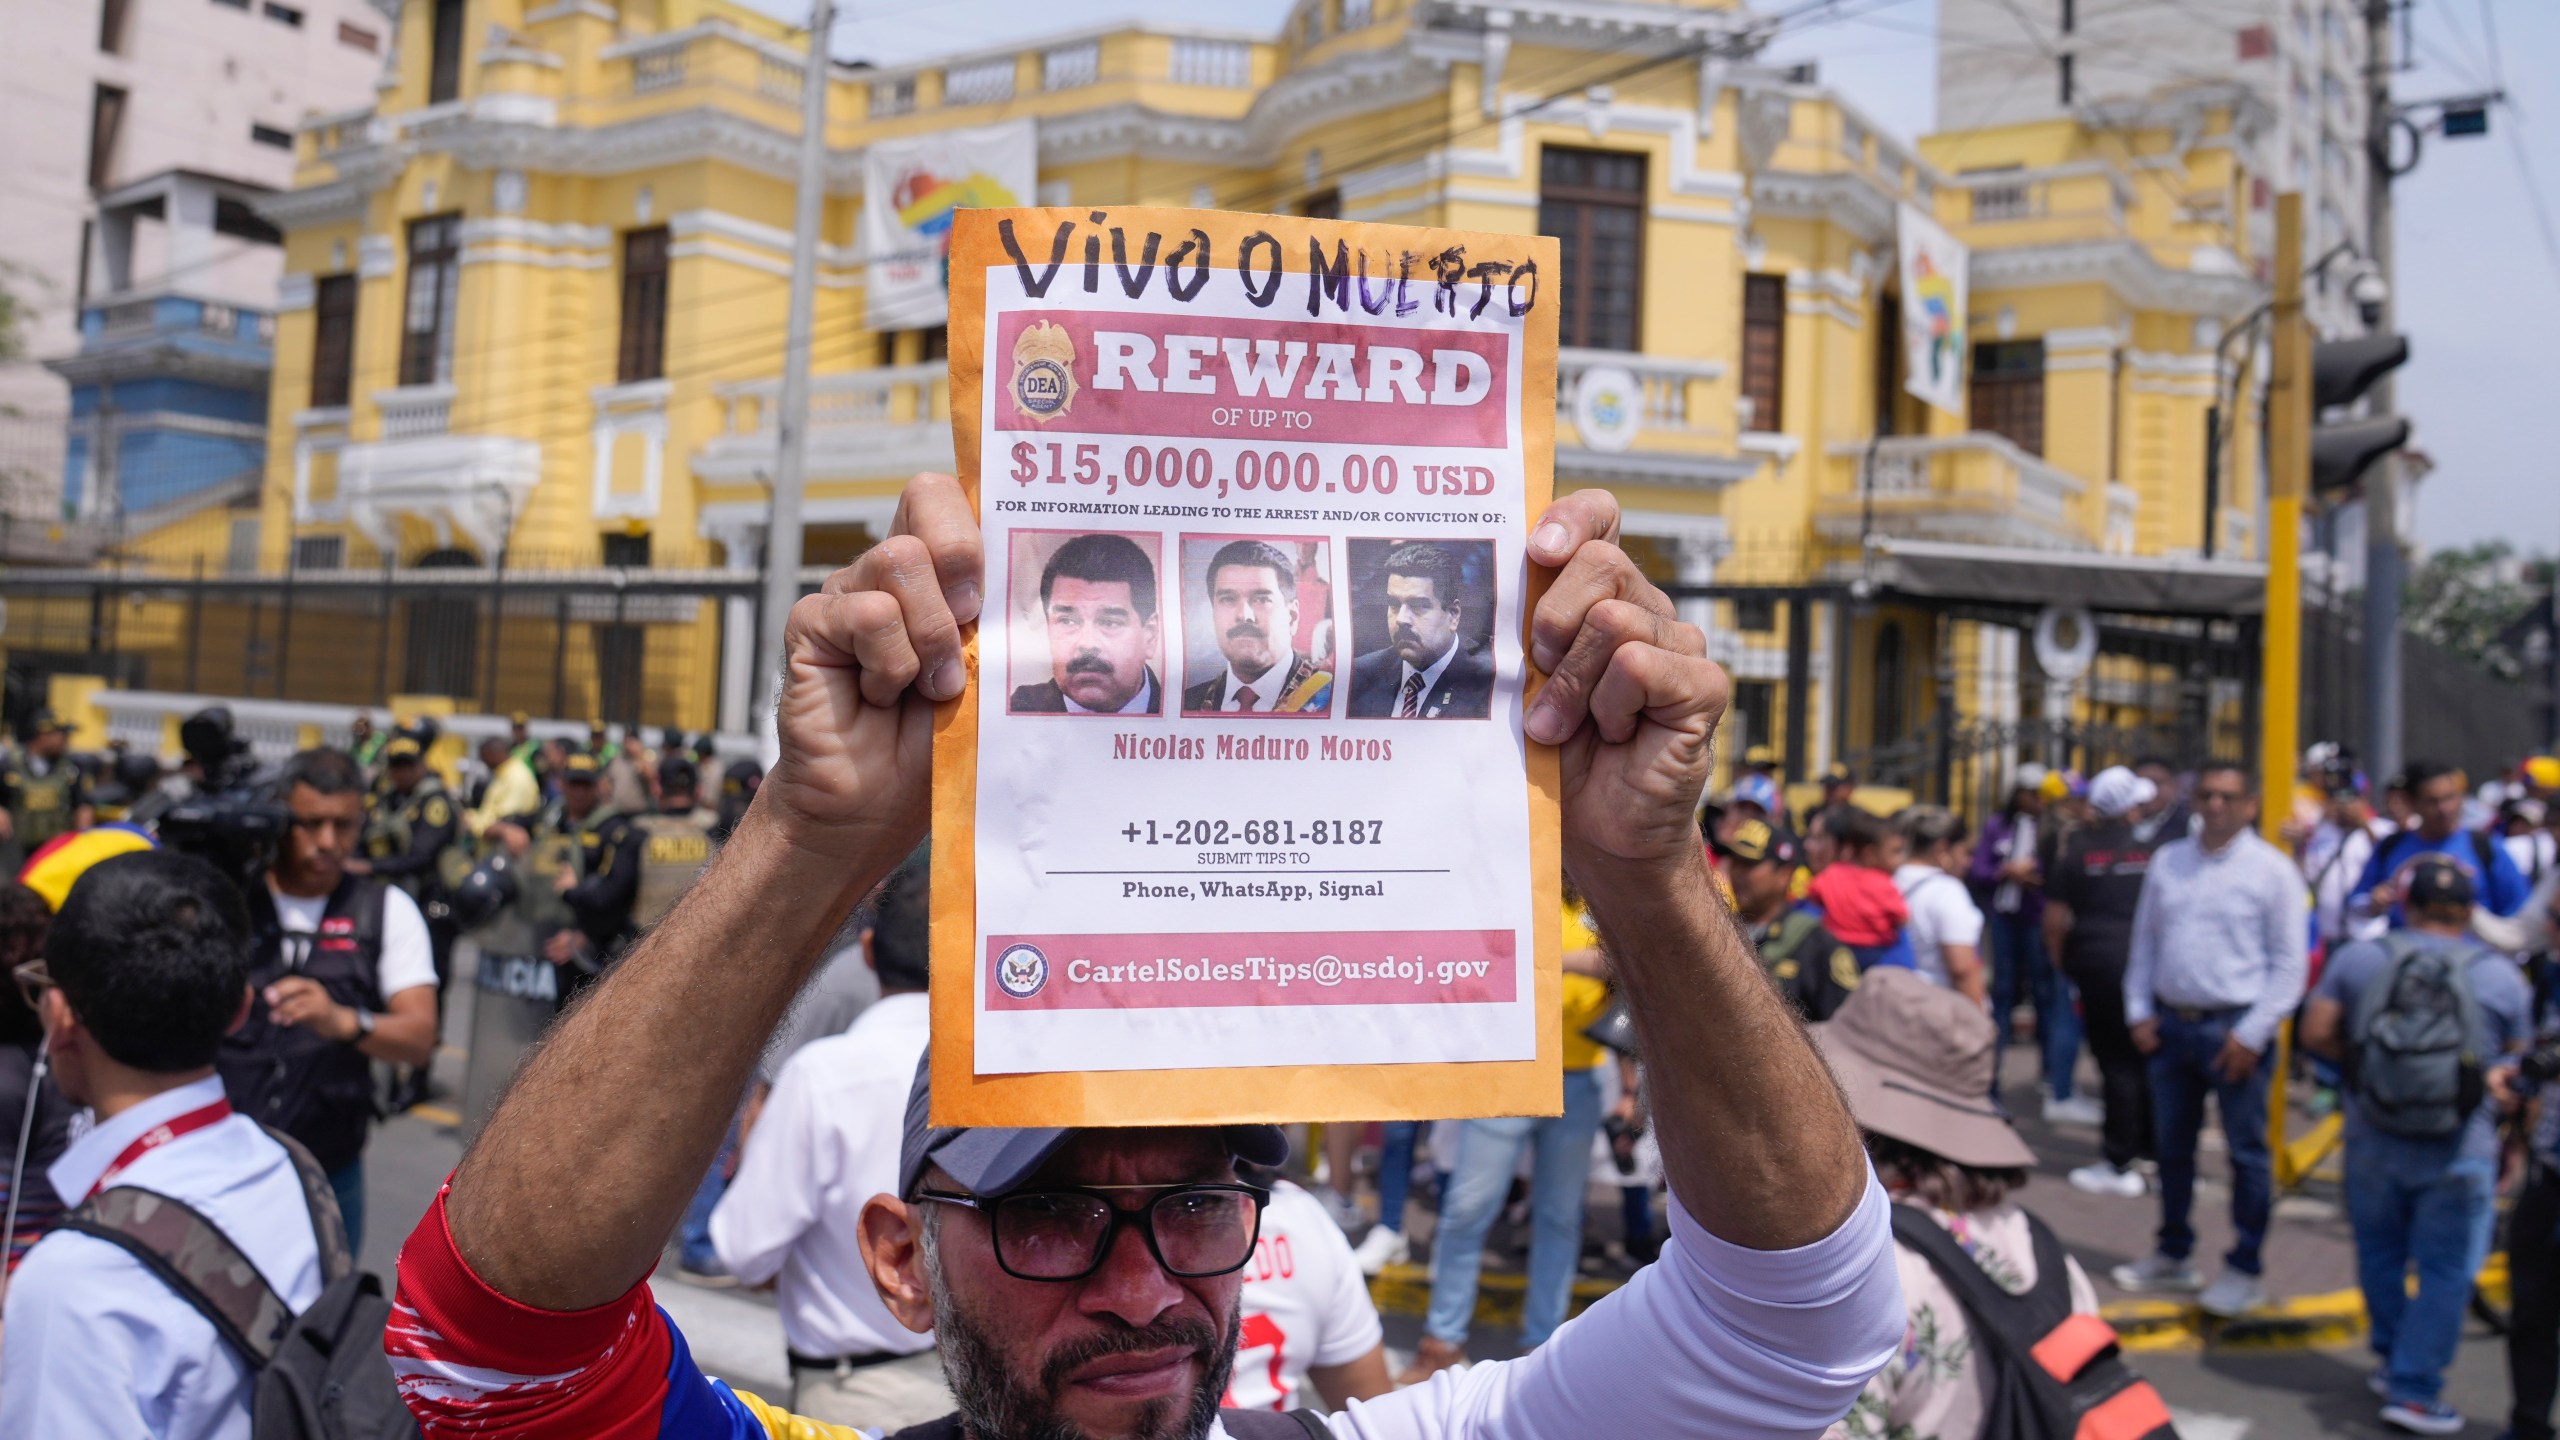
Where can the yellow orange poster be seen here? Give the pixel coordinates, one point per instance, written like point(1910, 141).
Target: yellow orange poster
point(1236, 820)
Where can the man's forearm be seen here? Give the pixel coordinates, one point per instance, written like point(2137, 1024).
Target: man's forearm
point(1756, 1140)
point(567, 1196)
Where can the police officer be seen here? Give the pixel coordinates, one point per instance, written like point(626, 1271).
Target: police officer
point(409, 837)
point(46, 793)
point(675, 842)
point(582, 876)
point(342, 975)
point(737, 792)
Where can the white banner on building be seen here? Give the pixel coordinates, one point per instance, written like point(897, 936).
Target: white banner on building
point(910, 188)
point(1933, 301)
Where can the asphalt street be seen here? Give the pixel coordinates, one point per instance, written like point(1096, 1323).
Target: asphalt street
point(2218, 1393)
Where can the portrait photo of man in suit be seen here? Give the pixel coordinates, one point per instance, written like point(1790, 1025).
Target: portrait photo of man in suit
point(1097, 612)
point(1252, 614)
point(1434, 665)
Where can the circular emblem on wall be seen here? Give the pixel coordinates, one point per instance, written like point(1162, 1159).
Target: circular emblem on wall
point(1021, 970)
point(1608, 407)
point(2066, 641)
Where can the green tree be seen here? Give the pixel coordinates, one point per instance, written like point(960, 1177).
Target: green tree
point(2469, 600)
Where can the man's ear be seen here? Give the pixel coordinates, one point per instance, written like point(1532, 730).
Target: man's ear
point(892, 1237)
point(240, 1017)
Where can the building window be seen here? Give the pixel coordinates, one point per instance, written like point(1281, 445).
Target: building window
point(1757, 614)
point(1888, 359)
point(333, 340)
point(320, 552)
point(284, 14)
point(982, 83)
point(1592, 201)
point(356, 37)
point(111, 18)
point(621, 661)
point(444, 53)
point(1890, 673)
point(1322, 205)
point(233, 4)
point(893, 97)
point(1764, 349)
point(2067, 78)
point(1355, 13)
point(628, 552)
point(2008, 391)
point(644, 304)
point(435, 274)
point(270, 136)
point(1755, 705)
point(106, 122)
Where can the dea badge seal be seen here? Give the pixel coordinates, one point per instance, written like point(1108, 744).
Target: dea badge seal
point(1021, 971)
point(1044, 381)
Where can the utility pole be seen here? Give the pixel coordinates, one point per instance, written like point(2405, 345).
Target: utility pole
point(2382, 570)
point(2288, 480)
point(791, 421)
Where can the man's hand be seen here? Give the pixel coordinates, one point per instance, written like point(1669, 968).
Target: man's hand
point(2146, 1036)
point(866, 659)
point(2234, 1062)
point(1617, 655)
point(515, 837)
point(2502, 1088)
point(300, 1000)
point(2382, 898)
point(564, 948)
point(564, 881)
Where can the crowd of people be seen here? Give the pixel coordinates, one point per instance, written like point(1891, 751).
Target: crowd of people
point(228, 1040)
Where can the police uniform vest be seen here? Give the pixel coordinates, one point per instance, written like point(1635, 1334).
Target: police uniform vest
point(673, 851)
point(393, 825)
point(316, 1090)
point(43, 808)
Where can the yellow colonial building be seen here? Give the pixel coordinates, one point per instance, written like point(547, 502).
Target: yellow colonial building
point(528, 352)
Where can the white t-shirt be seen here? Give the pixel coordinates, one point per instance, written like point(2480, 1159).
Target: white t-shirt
point(1942, 914)
point(408, 961)
point(1305, 1303)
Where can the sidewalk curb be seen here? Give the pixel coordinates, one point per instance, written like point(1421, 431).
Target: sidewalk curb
point(1406, 1290)
point(2305, 1322)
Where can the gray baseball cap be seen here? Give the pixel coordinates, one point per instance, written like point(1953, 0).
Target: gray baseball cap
point(986, 1160)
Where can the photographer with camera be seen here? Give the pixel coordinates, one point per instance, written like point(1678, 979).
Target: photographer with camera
point(341, 974)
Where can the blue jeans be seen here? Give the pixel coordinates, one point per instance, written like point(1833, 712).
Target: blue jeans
point(348, 1182)
point(1487, 1156)
point(2019, 963)
point(1395, 1171)
point(2180, 1081)
point(2413, 1203)
point(698, 1253)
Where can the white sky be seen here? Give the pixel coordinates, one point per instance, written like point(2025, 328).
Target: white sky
point(2479, 280)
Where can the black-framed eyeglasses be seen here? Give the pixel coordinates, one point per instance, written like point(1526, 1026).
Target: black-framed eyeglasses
point(1063, 1233)
point(32, 980)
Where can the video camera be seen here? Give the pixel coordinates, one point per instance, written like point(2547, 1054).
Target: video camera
point(2541, 1064)
point(232, 818)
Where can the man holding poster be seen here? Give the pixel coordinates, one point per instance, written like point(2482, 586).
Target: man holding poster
point(523, 1307)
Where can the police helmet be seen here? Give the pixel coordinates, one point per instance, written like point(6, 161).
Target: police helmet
point(485, 893)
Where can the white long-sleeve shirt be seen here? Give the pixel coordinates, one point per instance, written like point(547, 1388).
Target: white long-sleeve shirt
point(2220, 930)
point(826, 1142)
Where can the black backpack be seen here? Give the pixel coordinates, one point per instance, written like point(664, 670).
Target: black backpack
point(2054, 1375)
point(321, 1375)
point(2412, 1053)
point(1240, 1424)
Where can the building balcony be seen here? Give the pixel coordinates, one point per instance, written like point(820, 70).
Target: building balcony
point(1974, 489)
point(2083, 200)
point(1627, 418)
point(880, 424)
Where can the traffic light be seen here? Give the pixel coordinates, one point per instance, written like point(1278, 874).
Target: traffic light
point(2341, 371)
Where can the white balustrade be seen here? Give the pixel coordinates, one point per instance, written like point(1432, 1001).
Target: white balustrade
point(1227, 64)
point(415, 411)
point(656, 70)
point(983, 82)
point(1070, 66)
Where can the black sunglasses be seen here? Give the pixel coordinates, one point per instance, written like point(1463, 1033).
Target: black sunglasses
point(1063, 1233)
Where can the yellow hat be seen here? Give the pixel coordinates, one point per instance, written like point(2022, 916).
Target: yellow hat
point(2056, 785)
point(2543, 771)
point(404, 747)
point(579, 766)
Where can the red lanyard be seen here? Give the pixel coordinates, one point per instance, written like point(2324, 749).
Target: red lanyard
point(159, 1135)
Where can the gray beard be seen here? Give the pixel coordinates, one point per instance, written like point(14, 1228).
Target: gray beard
point(995, 1404)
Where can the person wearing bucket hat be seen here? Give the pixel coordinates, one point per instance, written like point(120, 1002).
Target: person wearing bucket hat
point(1915, 1060)
point(1087, 1282)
